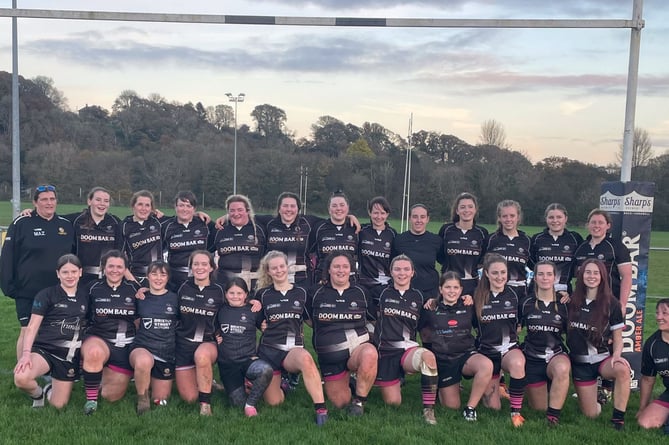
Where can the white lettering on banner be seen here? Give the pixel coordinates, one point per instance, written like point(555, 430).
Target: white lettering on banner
point(633, 332)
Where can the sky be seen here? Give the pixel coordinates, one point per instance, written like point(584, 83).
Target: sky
point(557, 92)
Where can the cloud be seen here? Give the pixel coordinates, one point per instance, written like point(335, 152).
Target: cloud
point(459, 62)
point(570, 107)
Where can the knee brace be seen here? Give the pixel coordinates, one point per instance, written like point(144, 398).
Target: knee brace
point(419, 364)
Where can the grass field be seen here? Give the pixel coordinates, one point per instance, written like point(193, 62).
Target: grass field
point(292, 423)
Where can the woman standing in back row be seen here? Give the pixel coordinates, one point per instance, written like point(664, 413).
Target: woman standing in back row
point(464, 242)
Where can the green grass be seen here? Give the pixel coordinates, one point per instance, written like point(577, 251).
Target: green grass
point(293, 422)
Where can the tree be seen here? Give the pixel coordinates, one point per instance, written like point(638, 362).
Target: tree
point(642, 149)
point(221, 116)
point(47, 87)
point(360, 149)
point(270, 121)
point(493, 133)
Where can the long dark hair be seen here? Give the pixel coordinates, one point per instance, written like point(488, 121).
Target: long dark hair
point(482, 292)
point(600, 308)
point(454, 209)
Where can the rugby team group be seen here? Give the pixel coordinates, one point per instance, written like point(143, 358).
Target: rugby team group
point(157, 299)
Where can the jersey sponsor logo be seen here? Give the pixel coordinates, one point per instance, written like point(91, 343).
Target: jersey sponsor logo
point(188, 243)
point(196, 311)
point(453, 252)
point(394, 312)
point(102, 311)
point(327, 249)
point(515, 259)
point(97, 238)
point(283, 316)
point(367, 252)
point(366, 241)
point(62, 231)
point(102, 300)
point(555, 258)
point(187, 298)
point(284, 239)
point(494, 317)
point(232, 329)
point(329, 316)
point(233, 249)
point(543, 328)
point(328, 238)
point(453, 323)
point(152, 239)
point(39, 232)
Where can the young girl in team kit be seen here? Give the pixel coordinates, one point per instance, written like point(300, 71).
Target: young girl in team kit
point(236, 325)
point(153, 350)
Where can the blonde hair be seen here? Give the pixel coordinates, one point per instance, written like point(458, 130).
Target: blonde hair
point(264, 279)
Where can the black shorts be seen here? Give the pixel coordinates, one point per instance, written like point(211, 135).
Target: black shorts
point(390, 369)
point(536, 370)
point(450, 371)
point(162, 369)
point(185, 353)
point(67, 371)
point(333, 364)
point(663, 399)
point(273, 356)
point(585, 374)
point(24, 307)
point(496, 360)
point(119, 357)
point(233, 374)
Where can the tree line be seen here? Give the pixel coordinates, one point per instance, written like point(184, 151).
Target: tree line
point(164, 146)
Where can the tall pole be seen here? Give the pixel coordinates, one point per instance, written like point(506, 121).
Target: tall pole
point(632, 83)
point(16, 146)
point(236, 99)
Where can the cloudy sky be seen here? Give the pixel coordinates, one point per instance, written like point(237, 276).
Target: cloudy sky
point(557, 92)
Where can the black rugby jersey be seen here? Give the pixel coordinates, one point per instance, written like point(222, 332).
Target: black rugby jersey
point(293, 240)
point(560, 250)
point(92, 240)
point(197, 311)
point(284, 314)
point(339, 321)
point(424, 251)
point(581, 350)
point(30, 253)
point(463, 250)
point(546, 324)
point(180, 240)
point(142, 243)
point(239, 252)
point(157, 324)
point(399, 314)
point(113, 311)
point(611, 251)
point(61, 330)
point(374, 254)
point(451, 327)
point(237, 326)
point(497, 328)
point(515, 250)
point(328, 237)
point(655, 358)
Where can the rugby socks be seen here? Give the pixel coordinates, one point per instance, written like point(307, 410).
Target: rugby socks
point(320, 407)
point(553, 416)
point(516, 390)
point(92, 382)
point(360, 399)
point(204, 397)
point(428, 387)
point(618, 419)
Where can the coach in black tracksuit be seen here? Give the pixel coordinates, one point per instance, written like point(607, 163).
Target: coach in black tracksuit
point(30, 253)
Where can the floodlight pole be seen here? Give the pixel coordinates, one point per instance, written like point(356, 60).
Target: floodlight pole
point(236, 99)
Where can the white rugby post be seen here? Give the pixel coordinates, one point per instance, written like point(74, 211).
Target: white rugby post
point(636, 24)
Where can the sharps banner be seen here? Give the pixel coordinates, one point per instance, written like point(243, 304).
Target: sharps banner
point(631, 207)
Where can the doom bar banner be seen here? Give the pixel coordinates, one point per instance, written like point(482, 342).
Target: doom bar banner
point(631, 207)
